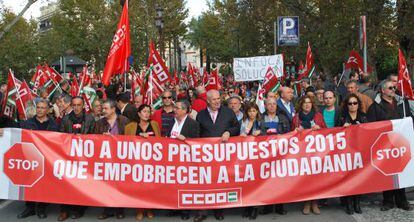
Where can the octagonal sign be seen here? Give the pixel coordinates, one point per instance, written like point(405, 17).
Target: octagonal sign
point(390, 153)
point(23, 164)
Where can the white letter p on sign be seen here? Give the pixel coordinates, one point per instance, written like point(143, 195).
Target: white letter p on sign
point(288, 23)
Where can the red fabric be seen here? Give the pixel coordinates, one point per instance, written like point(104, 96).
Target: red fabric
point(355, 61)
point(318, 118)
point(226, 173)
point(200, 103)
point(157, 117)
point(404, 80)
point(117, 61)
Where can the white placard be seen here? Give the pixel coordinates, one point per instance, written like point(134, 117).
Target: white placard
point(255, 68)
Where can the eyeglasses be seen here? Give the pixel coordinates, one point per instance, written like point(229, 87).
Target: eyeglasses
point(352, 103)
point(167, 97)
point(392, 88)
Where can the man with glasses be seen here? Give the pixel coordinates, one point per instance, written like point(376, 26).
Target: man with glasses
point(385, 107)
point(184, 127)
point(39, 122)
point(165, 116)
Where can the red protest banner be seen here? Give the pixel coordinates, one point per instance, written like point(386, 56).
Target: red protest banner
point(125, 171)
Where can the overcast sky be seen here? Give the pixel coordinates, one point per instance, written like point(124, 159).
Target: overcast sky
point(195, 7)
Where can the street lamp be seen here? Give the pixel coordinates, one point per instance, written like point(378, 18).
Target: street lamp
point(159, 23)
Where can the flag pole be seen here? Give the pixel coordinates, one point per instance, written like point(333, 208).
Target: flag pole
point(125, 75)
point(342, 75)
point(402, 94)
point(364, 30)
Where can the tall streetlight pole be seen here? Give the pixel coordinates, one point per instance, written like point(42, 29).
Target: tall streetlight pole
point(159, 23)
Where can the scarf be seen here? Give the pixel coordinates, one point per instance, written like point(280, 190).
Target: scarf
point(306, 119)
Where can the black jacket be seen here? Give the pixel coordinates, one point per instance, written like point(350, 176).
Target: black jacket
point(130, 112)
point(31, 125)
point(226, 121)
point(346, 118)
point(382, 110)
point(88, 124)
point(284, 124)
point(191, 129)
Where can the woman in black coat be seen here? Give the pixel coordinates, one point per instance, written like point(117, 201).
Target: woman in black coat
point(352, 115)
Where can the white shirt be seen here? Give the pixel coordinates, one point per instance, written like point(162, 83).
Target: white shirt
point(176, 130)
point(287, 106)
point(123, 108)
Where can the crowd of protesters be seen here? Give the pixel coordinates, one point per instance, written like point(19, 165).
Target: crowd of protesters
point(231, 111)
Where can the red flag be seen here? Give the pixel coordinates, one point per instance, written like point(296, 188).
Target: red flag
point(355, 61)
point(191, 71)
point(117, 61)
point(176, 79)
point(213, 81)
point(39, 79)
point(271, 82)
point(17, 97)
point(309, 68)
point(74, 88)
point(53, 74)
point(159, 70)
point(404, 80)
point(84, 77)
point(25, 97)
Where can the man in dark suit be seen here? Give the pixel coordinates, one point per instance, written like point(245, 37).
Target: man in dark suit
point(183, 127)
point(216, 121)
point(285, 103)
point(126, 109)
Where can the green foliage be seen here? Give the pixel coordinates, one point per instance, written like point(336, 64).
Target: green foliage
point(86, 28)
point(245, 28)
point(17, 51)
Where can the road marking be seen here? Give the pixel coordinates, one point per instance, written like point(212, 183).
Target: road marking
point(5, 204)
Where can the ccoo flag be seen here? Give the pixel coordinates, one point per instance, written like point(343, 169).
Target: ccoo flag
point(404, 81)
point(117, 61)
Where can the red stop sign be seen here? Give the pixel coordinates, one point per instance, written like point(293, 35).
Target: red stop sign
point(23, 164)
point(390, 153)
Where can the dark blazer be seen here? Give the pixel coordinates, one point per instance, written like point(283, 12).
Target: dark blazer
point(282, 109)
point(226, 121)
point(191, 129)
point(337, 117)
point(130, 112)
point(103, 126)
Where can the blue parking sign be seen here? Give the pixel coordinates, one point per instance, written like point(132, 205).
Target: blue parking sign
point(288, 30)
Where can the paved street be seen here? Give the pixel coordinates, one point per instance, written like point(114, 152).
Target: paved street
point(333, 212)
